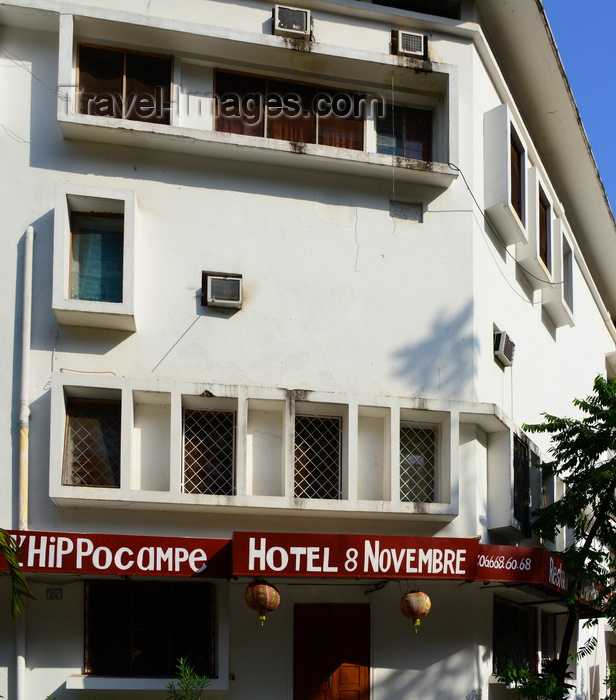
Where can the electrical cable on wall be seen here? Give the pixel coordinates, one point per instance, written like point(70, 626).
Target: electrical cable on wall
point(455, 168)
point(14, 58)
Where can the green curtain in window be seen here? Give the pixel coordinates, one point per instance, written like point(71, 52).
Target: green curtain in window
point(97, 258)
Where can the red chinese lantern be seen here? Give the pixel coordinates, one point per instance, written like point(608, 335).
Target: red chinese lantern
point(262, 597)
point(415, 605)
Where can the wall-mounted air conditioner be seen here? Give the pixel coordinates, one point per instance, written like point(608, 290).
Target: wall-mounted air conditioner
point(504, 348)
point(410, 44)
point(291, 21)
point(221, 290)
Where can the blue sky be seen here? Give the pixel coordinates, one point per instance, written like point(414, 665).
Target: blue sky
point(584, 33)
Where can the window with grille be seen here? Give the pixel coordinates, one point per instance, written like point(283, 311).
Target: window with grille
point(97, 257)
point(142, 628)
point(521, 483)
point(92, 443)
point(548, 640)
point(125, 84)
point(514, 636)
point(418, 462)
point(317, 456)
point(209, 452)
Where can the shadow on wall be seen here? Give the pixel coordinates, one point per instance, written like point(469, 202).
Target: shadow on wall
point(442, 364)
point(444, 681)
point(581, 693)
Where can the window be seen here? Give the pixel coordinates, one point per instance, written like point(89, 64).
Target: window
point(418, 457)
point(141, 628)
point(548, 641)
point(557, 299)
point(521, 483)
point(506, 177)
point(438, 8)
point(567, 274)
point(317, 456)
point(94, 257)
point(517, 175)
point(92, 443)
point(97, 257)
point(209, 452)
point(125, 85)
point(405, 132)
point(295, 112)
point(514, 636)
point(545, 230)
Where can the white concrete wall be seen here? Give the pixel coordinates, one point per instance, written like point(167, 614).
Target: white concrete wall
point(340, 298)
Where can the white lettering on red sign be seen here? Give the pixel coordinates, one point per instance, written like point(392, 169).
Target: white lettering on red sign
point(374, 559)
point(50, 552)
point(557, 575)
point(313, 559)
point(413, 561)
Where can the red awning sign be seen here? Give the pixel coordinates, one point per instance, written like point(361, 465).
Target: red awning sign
point(521, 565)
point(124, 555)
point(353, 556)
point(289, 554)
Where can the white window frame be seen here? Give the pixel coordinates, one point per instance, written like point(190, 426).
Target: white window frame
point(81, 312)
point(435, 428)
point(528, 255)
point(557, 299)
point(68, 462)
point(227, 406)
point(445, 424)
point(499, 129)
point(221, 640)
point(196, 133)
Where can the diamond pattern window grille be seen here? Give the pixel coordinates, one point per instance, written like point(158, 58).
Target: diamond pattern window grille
point(317, 457)
point(514, 636)
point(548, 640)
point(92, 445)
point(418, 457)
point(209, 452)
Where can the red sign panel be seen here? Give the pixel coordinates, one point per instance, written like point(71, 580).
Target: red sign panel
point(521, 565)
point(124, 555)
point(353, 556)
point(288, 554)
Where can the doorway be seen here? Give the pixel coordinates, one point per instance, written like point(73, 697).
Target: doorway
point(331, 652)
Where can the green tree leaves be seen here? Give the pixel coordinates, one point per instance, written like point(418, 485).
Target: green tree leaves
point(584, 459)
point(10, 551)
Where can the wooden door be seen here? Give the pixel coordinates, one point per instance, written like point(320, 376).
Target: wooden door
point(331, 652)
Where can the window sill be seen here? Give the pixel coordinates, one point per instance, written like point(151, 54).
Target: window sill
point(83, 496)
point(556, 307)
point(507, 224)
point(84, 682)
point(536, 272)
point(94, 314)
point(514, 530)
point(253, 149)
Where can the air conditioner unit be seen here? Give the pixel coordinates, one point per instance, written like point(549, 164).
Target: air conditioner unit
point(291, 21)
point(504, 348)
point(410, 44)
point(222, 290)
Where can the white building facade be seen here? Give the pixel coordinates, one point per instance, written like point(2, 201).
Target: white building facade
point(285, 284)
